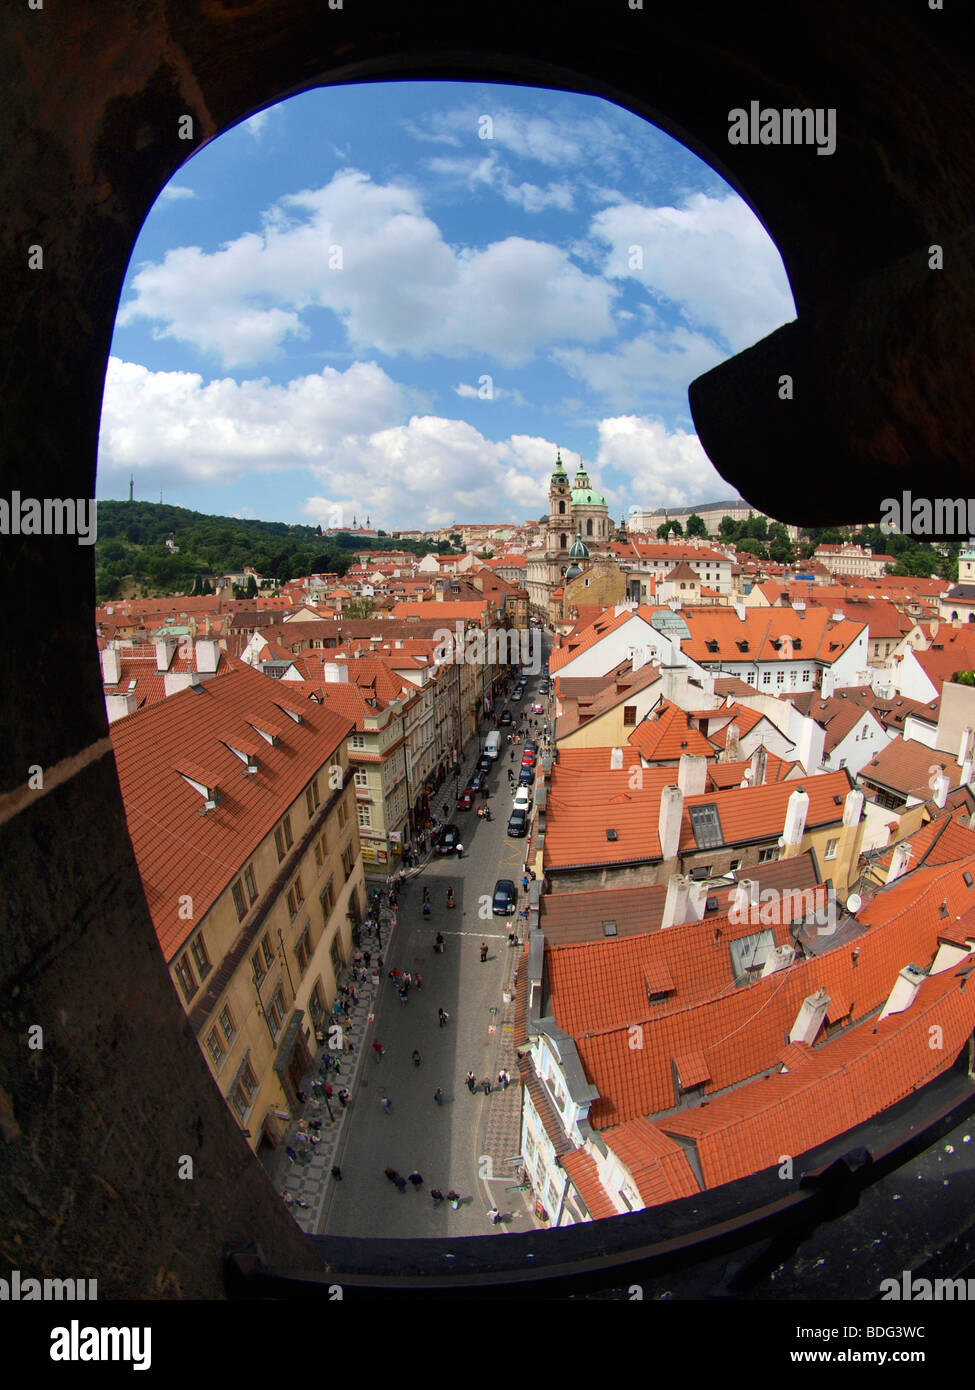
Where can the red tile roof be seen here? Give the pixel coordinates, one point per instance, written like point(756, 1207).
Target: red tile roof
point(668, 734)
point(181, 851)
point(581, 1168)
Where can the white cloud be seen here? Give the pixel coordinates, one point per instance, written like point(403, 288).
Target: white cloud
point(257, 124)
point(556, 140)
point(174, 192)
point(489, 172)
point(648, 371)
point(399, 286)
point(665, 468)
point(711, 255)
point(486, 390)
point(220, 430)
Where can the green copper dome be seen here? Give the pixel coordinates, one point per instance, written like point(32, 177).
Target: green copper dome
point(559, 470)
point(587, 497)
point(578, 550)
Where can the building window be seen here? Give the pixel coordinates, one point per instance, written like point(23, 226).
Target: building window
point(335, 956)
point(327, 900)
point(343, 815)
point(312, 799)
point(282, 838)
point(268, 951)
point(295, 898)
point(239, 902)
point(316, 1005)
point(629, 714)
point(258, 964)
point(184, 974)
point(831, 847)
point(365, 816)
point(215, 1047)
point(348, 861)
point(250, 883)
point(767, 856)
point(276, 1012)
point(735, 864)
point(303, 952)
point(779, 677)
point(361, 777)
point(766, 677)
point(227, 1024)
point(201, 958)
point(358, 740)
point(319, 857)
point(243, 1092)
point(806, 675)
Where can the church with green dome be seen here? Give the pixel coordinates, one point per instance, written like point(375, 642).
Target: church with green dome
point(577, 530)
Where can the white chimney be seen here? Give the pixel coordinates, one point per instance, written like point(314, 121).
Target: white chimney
point(732, 749)
point(334, 673)
point(615, 759)
point(111, 666)
point(799, 605)
point(966, 772)
point(758, 767)
point(905, 989)
point(838, 615)
point(899, 860)
point(942, 784)
point(795, 817)
point(779, 958)
point(965, 748)
point(118, 706)
point(675, 904)
point(668, 824)
point(707, 684)
point(827, 682)
point(740, 610)
point(853, 807)
point(809, 1020)
point(207, 657)
point(745, 899)
point(692, 774)
point(697, 900)
point(165, 651)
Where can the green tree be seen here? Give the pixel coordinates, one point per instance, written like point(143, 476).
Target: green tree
point(728, 528)
point(695, 525)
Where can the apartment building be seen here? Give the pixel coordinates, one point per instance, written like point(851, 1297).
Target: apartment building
point(241, 810)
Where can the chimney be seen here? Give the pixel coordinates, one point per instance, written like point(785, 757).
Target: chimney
point(207, 657)
point(732, 749)
point(827, 682)
point(111, 666)
point(692, 774)
point(334, 673)
point(118, 706)
point(965, 749)
point(697, 900)
point(838, 616)
point(795, 817)
point(668, 824)
point(675, 904)
point(740, 610)
point(852, 807)
point(744, 907)
point(942, 784)
point(779, 958)
point(966, 772)
point(707, 684)
point(799, 605)
point(165, 651)
point(899, 860)
point(615, 759)
point(810, 1018)
point(759, 764)
point(905, 989)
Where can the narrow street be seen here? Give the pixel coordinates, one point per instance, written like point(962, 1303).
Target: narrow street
point(445, 1143)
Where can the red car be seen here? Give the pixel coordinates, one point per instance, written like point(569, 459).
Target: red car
point(466, 800)
point(528, 760)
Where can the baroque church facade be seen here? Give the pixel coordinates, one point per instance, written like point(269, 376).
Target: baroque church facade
point(577, 528)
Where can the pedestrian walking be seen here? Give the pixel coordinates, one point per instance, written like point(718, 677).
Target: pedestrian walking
point(495, 1215)
point(504, 1080)
point(524, 883)
point(443, 1015)
point(471, 1080)
point(484, 951)
point(460, 850)
point(367, 957)
point(453, 1198)
point(417, 1059)
point(385, 1103)
point(445, 810)
point(417, 981)
point(416, 1179)
point(438, 1096)
point(438, 945)
point(336, 1172)
point(450, 897)
point(378, 1050)
point(391, 1173)
point(401, 994)
point(437, 1196)
point(400, 1183)
point(344, 1097)
point(486, 1085)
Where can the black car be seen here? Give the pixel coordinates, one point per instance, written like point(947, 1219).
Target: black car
point(526, 776)
point(517, 824)
point(449, 839)
point(543, 688)
point(506, 717)
point(505, 898)
point(530, 746)
point(477, 781)
point(485, 765)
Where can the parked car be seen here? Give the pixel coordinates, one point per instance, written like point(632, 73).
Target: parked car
point(523, 800)
point(531, 746)
point(526, 776)
point(536, 708)
point(518, 823)
point(449, 840)
point(505, 898)
point(466, 799)
point(528, 759)
point(485, 765)
point(476, 782)
point(543, 688)
point(517, 694)
point(505, 717)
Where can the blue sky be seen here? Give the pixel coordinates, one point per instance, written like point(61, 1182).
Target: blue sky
point(396, 300)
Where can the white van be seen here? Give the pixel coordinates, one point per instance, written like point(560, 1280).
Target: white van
point(492, 744)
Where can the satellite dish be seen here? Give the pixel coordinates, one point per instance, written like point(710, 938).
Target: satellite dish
point(854, 903)
point(781, 842)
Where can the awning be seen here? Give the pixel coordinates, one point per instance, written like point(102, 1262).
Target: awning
point(286, 1050)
